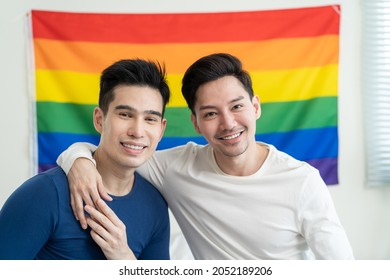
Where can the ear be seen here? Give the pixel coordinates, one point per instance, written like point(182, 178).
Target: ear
point(195, 123)
point(256, 105)
point(98, 118)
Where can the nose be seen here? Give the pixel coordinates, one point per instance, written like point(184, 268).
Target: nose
point(136, 129)
point(227, 121)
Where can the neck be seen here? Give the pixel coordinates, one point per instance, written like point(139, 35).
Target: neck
point(245, 164)
point(117, 180)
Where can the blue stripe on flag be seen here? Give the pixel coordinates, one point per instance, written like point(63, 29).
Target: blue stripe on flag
point(305, 144)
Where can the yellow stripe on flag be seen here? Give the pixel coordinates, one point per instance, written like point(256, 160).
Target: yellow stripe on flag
point(83, 88)
point(271, 86)
point(295, 85)
point(65, 86)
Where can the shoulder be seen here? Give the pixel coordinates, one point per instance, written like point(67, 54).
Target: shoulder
point(291, 169)
point(178, 156)
point(55, 174)
point(287, 161)
point(147, 191)
point(44, 182)
point(38, 197)
point(191, 148)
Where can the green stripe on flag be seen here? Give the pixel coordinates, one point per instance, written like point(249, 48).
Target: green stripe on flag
point(65, 117)
point(288, 116)
point(276, 117)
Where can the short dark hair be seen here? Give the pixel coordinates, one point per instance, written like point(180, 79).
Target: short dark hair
point(136, 72)
point(210, 68)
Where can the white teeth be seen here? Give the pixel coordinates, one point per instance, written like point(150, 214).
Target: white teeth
point(231, 136)
point(133, 147)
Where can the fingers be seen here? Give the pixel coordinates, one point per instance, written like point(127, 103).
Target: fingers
point(76, 200)
point(108, 231)
point(100, 227)
point(104, 220)
point(119, 251)
point(101, 189)
point(98, 233)
point(107, 212)
point(97, 220)
point(85, 185)
point(78, 210)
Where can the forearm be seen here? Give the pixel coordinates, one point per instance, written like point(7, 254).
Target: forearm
point(76, 150)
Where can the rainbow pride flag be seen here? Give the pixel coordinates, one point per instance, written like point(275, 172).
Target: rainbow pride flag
point(291, 54)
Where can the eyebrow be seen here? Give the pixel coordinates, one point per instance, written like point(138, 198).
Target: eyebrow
point(132, 109)
point(205, 107)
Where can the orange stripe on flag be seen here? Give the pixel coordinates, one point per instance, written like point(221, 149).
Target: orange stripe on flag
point(263, 55)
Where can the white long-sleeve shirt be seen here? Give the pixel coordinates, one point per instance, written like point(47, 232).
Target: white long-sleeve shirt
point(283, 211)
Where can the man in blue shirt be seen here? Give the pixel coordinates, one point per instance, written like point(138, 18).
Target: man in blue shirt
point(37, 221)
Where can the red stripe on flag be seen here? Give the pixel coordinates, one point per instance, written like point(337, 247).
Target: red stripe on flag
point(186, 28)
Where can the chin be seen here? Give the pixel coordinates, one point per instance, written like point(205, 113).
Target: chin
point(235, 152)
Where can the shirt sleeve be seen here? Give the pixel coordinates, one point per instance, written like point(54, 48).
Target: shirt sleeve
point(75, 151)
point(321, 226)
point(155, 169)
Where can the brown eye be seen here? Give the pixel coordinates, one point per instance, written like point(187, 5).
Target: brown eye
point(124, 115)
point(238, 106)
point(151, 119)
point(210, 114)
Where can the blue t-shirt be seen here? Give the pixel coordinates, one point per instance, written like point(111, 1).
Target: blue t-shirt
point(37, 222)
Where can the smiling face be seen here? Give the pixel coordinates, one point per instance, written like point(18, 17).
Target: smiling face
point(226, 116)
point(132, 126)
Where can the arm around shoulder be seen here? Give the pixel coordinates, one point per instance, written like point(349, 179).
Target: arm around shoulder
point(85, 183)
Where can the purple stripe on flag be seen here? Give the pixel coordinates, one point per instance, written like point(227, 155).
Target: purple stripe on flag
point(328, 169)
point(44, 167)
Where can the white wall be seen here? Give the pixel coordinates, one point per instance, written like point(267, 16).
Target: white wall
point(363, 211)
